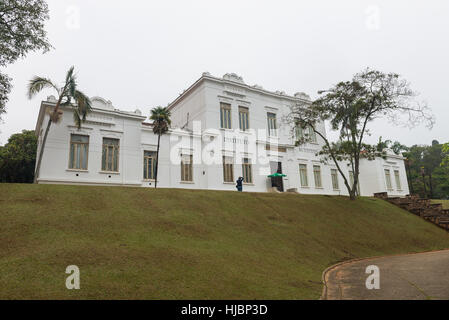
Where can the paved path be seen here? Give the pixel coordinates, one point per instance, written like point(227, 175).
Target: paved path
point(416, 276)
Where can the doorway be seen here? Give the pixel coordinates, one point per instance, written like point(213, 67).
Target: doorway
point(277, 182)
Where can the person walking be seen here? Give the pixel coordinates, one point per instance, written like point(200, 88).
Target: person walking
point(239, 185)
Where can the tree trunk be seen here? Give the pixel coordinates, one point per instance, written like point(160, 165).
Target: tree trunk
point(351, 191)
point(356, 173)
point(41, 152)
point(352, 194)
point(157, 160)
point(430, 185)
point(424, 185)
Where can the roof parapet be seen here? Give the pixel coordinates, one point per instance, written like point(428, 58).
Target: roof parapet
point(233, 77)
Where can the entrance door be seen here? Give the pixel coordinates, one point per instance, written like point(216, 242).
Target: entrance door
point(277, 182)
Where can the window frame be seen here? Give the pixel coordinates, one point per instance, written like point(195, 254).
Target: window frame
point(189, 173)
point(116, 152)
point(228, 169)
point(243, 115)
point(388, 180)
point(146, 165)
point(225, 115)
point(303, 173)
point(317, 169)
point(247, 171)
point(312, 135)
point(397, 178)
point(77, 145)
point(334, 179)
point(272, 122)
point(299, 132)
point(307, 133)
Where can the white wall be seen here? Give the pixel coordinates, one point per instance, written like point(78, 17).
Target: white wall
point(373, 179)
point(202, 103)
point(103, 122)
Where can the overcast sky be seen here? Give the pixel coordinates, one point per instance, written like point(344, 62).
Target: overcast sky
point(140, 54)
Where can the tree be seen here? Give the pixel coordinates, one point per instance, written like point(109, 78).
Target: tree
point(349, 107)
point(18, 158)
point(440, 179)
point(427, 173)
point(415, 161)
point(5, 89)
point(381, 145)
point(432, 158)
point(21, 31)
point(398, 147)
point(161, 124)
point(67, 94)
point(445, 161)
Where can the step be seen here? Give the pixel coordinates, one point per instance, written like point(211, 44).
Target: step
point(430, 215)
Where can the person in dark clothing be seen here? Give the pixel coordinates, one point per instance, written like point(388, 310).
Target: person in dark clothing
point(239, 185)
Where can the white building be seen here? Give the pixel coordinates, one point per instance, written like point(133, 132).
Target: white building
point(222, 128)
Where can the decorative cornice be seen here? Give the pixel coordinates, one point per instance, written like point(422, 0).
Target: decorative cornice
point(234, 80)
point(233, 77)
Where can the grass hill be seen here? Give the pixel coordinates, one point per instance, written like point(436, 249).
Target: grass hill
point(135, 243)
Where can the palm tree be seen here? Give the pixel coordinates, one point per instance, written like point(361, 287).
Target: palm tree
point(66, 94)
point(161, 124)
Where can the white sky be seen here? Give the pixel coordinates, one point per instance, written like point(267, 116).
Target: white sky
point(140, 54)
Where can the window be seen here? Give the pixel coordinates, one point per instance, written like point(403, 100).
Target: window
point(351, 181)
point(317, 176)
point(225, 116)
point(149, 165)
point(303, 175)
point(275, 148)
point(312, 135)
point(244, 118)
point(228, 169)
point(299, 131)
point(388, 179)
point(334, 175)
point(272, 126)
point(306, 133)
point(247, 171)
point(79, 149)
point(398, 179)
point(186, 168)
point(110, 155)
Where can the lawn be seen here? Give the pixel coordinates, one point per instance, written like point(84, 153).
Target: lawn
point(136, 243)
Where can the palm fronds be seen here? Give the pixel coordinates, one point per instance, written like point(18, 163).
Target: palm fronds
point(161, 120)
point(37, 84)
point(83, 107)
point(70, 84)
point(66, 95)
point(161, 124)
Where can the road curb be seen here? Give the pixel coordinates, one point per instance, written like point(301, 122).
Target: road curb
point(326, 271)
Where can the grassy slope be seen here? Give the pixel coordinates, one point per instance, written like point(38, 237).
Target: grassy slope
point(166, 244)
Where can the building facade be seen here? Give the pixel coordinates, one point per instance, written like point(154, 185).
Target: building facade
point(222, 129)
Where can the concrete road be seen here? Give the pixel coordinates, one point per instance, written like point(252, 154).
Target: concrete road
point(417, 276)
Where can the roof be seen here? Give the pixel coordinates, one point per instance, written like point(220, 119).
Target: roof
point(235, 80)
point(99, 105)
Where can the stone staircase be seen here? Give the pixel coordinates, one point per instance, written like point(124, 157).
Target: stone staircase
point(432, 212)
